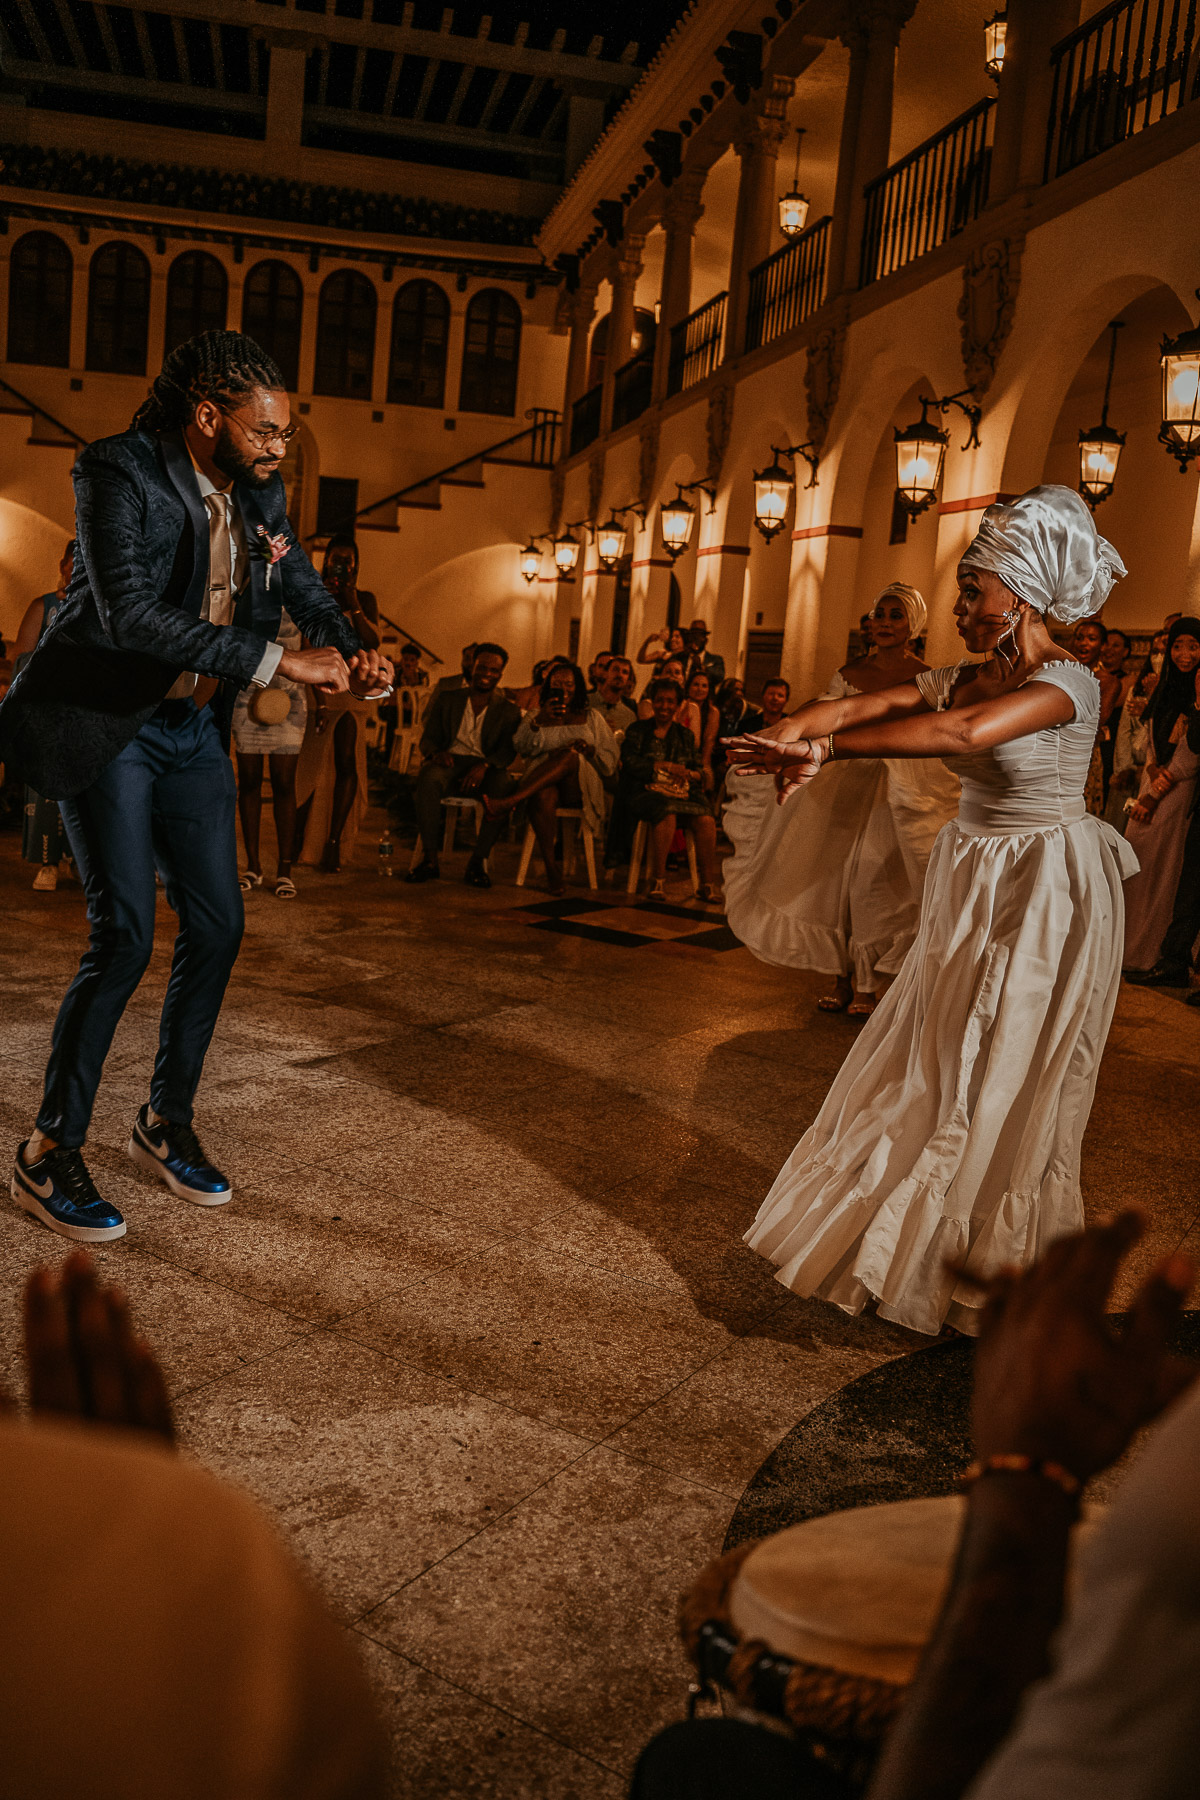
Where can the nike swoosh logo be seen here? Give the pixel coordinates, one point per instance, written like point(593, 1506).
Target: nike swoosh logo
point(162, 1152)
point(43, 1189)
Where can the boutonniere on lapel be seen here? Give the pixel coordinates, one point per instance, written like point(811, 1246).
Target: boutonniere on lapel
point(268, 549)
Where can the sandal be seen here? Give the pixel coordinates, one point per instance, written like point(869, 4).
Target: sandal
point(250, 880)
point(285, 888)
point(709, 896)
point(657, 890)
point(861, 1008)
point(838, 1001)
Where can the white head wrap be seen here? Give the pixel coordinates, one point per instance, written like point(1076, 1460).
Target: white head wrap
point(910, 600)
point(1046, 548)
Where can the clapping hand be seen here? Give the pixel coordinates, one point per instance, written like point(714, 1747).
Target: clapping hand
point(1053, 1380)
point(83, 1358)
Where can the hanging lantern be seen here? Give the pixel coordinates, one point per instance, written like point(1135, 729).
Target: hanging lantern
point(994, 34)
point(920, 452)
point(772, 497)
point(1099, 453)
point(531, 561)
point(793, 206)
point(566, 554)
point(611, 538)
point(677, 518)
point(1100, 448)
point(1180, 429)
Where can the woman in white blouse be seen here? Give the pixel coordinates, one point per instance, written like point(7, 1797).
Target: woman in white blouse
point(568, 749)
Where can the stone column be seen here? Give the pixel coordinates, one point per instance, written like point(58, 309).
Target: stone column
point(757, 144)
point(871, 34)
point(627, 269)
point(681, 215)
point(582, 312)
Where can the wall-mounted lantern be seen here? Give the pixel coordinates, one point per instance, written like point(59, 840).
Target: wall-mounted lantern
point(566, 553)
point(1180, 429)
point(531, 561)
point(678, 516)
point(1100, 448)
point(775, 485)
point(994, 34)
point(612, 537)
point(921, 452)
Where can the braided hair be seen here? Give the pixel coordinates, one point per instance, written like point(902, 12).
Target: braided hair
point(221, 366)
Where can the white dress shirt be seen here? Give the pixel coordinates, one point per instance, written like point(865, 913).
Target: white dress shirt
point(469, 739)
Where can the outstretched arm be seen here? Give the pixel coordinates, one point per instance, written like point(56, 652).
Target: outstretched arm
point(817, 718)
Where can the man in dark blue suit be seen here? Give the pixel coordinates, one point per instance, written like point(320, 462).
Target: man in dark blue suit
point(122, 715)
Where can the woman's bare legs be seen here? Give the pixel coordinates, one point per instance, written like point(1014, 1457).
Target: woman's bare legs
point(283, 803)
point(543, 816)
point(250, 780)
point(547, 774)
point(345, 787)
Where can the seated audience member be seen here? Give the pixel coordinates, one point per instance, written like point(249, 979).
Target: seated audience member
point(156, 1638)
point(662, 765)
point(1001, 1708)
point(698, 693)
point(609, 697)
point(466, 745)
point(688, 712)
point(696, 646)
point(776, 695)
point(449, 683)
point(529, 698)
point(409, 672)
point(596, 672)
point(568, 750)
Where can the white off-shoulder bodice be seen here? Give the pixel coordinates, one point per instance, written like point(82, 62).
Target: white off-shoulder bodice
point(1036, 782)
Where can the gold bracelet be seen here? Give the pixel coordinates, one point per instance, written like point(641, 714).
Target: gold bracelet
point(830, 752)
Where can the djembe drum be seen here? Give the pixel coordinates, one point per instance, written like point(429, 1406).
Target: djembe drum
point(818, 1629)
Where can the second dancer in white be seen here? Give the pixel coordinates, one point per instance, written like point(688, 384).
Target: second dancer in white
point(952, 1132)
point(833, 880)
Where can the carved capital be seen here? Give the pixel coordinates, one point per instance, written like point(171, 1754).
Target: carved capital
point(683, 208)
point(864, 20)
point(627, 266)
point(764, 127)
point(991, 278)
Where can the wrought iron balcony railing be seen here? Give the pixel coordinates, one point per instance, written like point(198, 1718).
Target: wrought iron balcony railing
point(788, 286)
point(929, 195)
point(1125, 68)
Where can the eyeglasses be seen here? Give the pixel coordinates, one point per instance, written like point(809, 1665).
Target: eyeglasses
point(262, 435)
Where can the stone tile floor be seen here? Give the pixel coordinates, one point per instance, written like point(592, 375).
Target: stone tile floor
point(478, 1326)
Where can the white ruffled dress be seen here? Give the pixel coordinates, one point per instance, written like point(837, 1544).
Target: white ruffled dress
point(954, 1126)
point(832, 880)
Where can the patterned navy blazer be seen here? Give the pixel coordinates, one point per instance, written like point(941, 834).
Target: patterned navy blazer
point(131, 622)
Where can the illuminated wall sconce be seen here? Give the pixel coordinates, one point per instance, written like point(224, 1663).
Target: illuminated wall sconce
point(1180, 429)
point(774, 486)
point(612, 537)
point(1100, 448)
point(794, 206)
point(678, 516)
point(531, 561)
point(921, 451)
point(994, 34)
point(566, 549)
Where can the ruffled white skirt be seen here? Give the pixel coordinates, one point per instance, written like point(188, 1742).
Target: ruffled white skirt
point(952, 1131)
point(832, 879)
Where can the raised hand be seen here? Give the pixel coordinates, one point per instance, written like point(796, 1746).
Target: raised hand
point(1053, 1380)
point(83, 1358)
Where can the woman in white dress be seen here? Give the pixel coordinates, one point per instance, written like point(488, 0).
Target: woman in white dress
point(833, 881)
point(951, 1134)
point(568, 750)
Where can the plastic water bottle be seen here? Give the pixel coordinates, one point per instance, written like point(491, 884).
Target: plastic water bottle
point(385, 853)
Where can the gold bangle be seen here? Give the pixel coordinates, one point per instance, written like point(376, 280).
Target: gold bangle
point(831, 753)
point(1012, 1463)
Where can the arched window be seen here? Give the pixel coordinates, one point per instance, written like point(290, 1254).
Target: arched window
point(345, 336)
point(197, 291)
point(420, 326)
point(491, 353)
point(118, 310)
point(272, 305)
point(39, 300)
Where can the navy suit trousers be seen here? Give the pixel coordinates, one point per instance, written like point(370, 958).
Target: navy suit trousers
point(169, 799)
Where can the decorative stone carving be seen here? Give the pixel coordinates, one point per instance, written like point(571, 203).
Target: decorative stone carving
point(823, 378)
point(991, 277)
point(648, 456)
point(718, 426)
point(764, 127)
point(864, 18)
point(595, 486)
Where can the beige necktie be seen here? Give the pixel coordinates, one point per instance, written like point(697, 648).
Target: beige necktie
point(220, 560)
